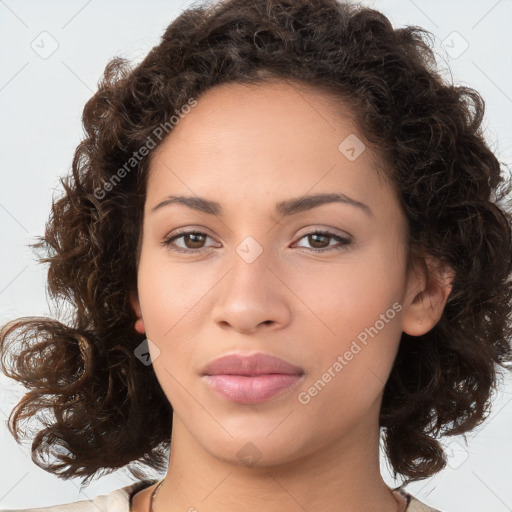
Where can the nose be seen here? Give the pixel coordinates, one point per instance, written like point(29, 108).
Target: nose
point(252, 296)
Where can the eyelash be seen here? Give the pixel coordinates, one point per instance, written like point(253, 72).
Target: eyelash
point(174, 236)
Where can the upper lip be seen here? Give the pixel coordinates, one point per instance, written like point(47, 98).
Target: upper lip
point(254, 364)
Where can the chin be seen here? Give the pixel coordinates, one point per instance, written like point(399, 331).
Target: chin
point(257, 450)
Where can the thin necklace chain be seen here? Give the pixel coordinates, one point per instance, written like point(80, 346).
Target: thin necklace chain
point(157, 488)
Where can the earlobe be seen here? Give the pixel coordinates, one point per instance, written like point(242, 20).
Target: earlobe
point(428, 288)
point(139, 323)
point(139, 326)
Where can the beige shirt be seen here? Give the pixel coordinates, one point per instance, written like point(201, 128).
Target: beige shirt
point(120, 501)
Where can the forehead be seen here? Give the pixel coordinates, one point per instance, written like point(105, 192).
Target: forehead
point(266, 107)
point(265, 138)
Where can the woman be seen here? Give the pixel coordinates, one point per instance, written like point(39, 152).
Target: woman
point(282, 238)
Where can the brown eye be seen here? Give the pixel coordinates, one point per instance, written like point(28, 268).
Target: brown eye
point(192, 241)
point(195, 240)
point(319, 241)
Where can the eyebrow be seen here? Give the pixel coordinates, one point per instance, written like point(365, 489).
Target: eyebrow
point(283, 208)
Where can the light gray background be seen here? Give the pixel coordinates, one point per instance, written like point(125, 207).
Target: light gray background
point(41, 100)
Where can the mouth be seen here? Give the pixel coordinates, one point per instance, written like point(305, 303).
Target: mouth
point(251, 379)
point(245, 389)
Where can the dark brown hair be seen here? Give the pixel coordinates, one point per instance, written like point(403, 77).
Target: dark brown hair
point(102, 408)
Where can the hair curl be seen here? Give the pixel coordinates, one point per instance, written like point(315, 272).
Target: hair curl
point(84, 372)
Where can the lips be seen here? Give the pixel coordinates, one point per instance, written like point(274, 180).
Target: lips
point(255, 364)
point(251, 379)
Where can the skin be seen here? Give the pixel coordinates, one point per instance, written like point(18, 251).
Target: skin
point(249, 147)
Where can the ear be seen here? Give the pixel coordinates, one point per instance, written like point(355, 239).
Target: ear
point(135, 304)
point(429, 283)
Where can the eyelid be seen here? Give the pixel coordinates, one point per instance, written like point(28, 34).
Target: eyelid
point(345, 240)
point(324, 229)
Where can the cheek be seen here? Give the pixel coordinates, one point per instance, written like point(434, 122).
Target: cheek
point(176, 300)
point(340, 300)
point(169, 293)
point(350, 367)
point(357, 324)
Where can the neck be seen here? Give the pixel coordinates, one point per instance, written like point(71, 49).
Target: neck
point(337, 478)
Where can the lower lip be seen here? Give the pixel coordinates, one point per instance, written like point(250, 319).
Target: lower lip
point(251, 389)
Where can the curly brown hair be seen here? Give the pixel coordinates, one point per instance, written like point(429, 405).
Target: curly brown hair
point(99, 399)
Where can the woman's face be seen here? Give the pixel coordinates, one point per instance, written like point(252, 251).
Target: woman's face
point(255, 279)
